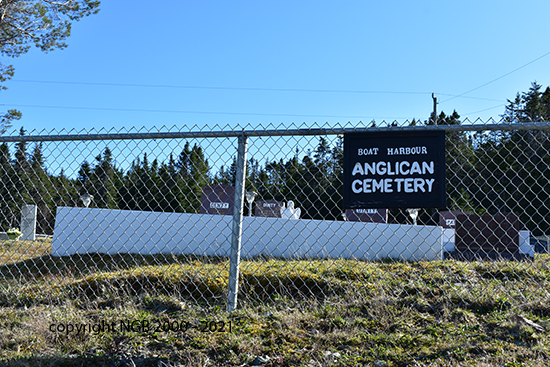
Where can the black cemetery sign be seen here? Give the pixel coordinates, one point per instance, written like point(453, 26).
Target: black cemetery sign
point(394, 169)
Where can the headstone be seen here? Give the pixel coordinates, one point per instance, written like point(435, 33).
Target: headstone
point(269, 208)
point(525, 244)
point(488, 235)
point(28, 223)
point(217, 199)
point(449, 239)
point(367, 215)
point(447, 218)
point(540, 244)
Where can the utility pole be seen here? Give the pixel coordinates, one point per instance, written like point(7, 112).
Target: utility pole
point(435, 212)
point(435, 108)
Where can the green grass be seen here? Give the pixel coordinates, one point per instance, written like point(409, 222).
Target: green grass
point(299, 313)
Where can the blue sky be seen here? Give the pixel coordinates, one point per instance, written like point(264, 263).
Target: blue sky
point(207, 63)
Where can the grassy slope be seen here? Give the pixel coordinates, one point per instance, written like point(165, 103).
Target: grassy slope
point(299, 313)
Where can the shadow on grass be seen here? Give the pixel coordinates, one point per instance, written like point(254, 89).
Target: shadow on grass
point(60, 362)
point(88, 361)
point(201, 279)
point(90, 276)
point(79, 265)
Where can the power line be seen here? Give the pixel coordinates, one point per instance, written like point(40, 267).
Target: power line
point(196, 112)
point(133, 85)
point(487, 109)
point(478, 98)
point(136, 85)
point(500, 77)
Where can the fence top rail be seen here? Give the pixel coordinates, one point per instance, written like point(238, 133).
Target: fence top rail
point(270, 132)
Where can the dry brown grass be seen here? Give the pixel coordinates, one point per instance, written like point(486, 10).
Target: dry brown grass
point(13, 251)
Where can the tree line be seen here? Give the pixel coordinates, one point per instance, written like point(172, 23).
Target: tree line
point(487, 172)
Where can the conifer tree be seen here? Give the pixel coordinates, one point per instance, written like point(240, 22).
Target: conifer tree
point(103, 181)
point(7, 188)
point(21, 178)
point(40, 190)
point(83, 180)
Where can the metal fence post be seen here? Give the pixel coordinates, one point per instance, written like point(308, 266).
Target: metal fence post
point(236, 234)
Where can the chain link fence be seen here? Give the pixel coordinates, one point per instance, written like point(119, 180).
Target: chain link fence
point(255, 214)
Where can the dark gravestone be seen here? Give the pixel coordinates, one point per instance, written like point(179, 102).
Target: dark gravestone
point(217, 199)
point(447, 219)
point(487, 236)
point(539, 244)
point(367, 215)
point(269, 208)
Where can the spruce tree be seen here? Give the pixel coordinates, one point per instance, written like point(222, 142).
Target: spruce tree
point(7, 188)
point(103, 181)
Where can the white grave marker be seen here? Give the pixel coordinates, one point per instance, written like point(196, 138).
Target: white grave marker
point(28, 223)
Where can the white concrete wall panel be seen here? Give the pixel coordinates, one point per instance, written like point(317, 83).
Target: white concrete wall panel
point(83, 230)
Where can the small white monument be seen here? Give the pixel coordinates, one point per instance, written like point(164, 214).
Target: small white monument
point(87, 199)
point(250, 196)
point(290, 212)
point(414, 215)
point(28, 223)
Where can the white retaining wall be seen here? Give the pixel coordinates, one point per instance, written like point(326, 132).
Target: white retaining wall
point(82, 230)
